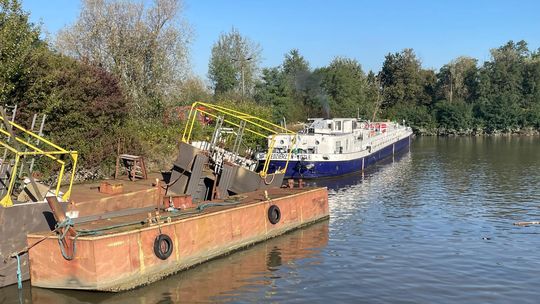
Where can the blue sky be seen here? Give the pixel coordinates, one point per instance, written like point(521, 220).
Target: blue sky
point(438, 31)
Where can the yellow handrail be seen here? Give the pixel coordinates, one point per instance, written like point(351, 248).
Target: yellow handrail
point(51, 151)
point(254, 125)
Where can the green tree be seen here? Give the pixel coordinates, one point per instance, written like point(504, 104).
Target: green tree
point(454, 116)
point(345, 83)
point(234, 64)
point(531, 90)
point(501, 87)
point(295, 64)
point(274, 90)
point(458, 80)
point(373, 93)
point(145, 46)
point(19, 41)
point(402, 80)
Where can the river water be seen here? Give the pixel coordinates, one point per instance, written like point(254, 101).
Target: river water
point(434, 225)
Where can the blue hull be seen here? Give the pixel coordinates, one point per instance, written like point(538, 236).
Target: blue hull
point(297, 169)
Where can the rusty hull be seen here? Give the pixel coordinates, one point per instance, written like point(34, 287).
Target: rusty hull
point(123, 258)
point(225, 275)
point(23, 218)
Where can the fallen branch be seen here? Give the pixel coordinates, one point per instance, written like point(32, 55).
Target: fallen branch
point(526, 223)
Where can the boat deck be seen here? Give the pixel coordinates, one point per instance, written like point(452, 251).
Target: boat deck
point(91, 203)
point(139, 220)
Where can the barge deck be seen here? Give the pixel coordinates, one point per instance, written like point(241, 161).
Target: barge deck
point(133, 250)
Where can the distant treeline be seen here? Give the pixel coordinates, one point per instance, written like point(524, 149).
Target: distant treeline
point(118, 77)
point(463, 97)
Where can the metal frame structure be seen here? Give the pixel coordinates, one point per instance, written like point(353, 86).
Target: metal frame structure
point(243, 121)
point(50, 150)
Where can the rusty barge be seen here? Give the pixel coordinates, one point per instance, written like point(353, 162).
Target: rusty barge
point(212, 203)
point(155, 246)
point(23, 208)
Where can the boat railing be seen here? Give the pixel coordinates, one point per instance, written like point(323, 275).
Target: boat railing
point(241, 122)
point(20, 144)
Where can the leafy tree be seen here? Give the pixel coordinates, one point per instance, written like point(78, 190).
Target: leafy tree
point(145, 46)
point(274, 91)
point(81, 101)
point(402, 80)
point(454, 116)
point(419, 117)
point(458, 79)
point(192, 90)
point(531, 90)
point(501, 86)
point(19, 40)
point(295, 64)
point(373, 93)
point(345, 83)
point(234, 64)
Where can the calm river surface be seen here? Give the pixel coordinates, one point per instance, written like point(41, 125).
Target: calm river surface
point(434, 226)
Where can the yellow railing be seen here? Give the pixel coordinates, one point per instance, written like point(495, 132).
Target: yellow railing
point(49, 150)
point(254, 125)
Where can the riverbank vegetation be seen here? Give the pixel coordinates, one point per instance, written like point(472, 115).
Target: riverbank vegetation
point(119, 79)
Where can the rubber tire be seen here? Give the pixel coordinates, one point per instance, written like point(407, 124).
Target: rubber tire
point(157, 246)
point(274, 214)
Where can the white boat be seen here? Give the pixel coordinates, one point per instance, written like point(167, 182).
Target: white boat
point(332, 147)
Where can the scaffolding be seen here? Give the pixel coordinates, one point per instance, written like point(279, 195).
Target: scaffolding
point(20, 143)
point(244, 122)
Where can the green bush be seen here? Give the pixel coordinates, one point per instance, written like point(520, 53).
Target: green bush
point(457, 115)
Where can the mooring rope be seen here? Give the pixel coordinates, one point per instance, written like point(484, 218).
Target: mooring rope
point(19, 273)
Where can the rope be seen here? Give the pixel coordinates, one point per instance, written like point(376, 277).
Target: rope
point(266, 176)
point(19, 273)
point(66, 224)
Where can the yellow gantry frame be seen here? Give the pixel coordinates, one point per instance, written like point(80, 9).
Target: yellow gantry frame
point(254, 125)
point(52, 152)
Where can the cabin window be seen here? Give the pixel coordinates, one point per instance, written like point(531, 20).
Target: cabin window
point(354, 125)
point(338, 125)
point(339, 148)
point(330, 125)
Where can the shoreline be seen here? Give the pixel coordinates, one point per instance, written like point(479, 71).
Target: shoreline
point(442, 132)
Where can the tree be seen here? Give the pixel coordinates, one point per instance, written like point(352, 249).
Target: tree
point(234, 64)
point(295, 64)
point(458, 79)
point(501, 95)
point(193, 89)
point(345, 83)
point(146, 47)
point(274, 90)
point(297, 74)
point(19, 42)
point(401, 79)
point(373, 94)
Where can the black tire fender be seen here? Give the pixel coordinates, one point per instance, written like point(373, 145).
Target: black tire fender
point(163, 246)
point(274, 214)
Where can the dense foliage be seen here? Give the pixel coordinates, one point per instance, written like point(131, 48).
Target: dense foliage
point(501, 95)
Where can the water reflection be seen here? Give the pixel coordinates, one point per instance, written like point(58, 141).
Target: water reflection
point(219, 280)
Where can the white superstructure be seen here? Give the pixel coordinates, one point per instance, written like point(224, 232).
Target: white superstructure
point(338, 139)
